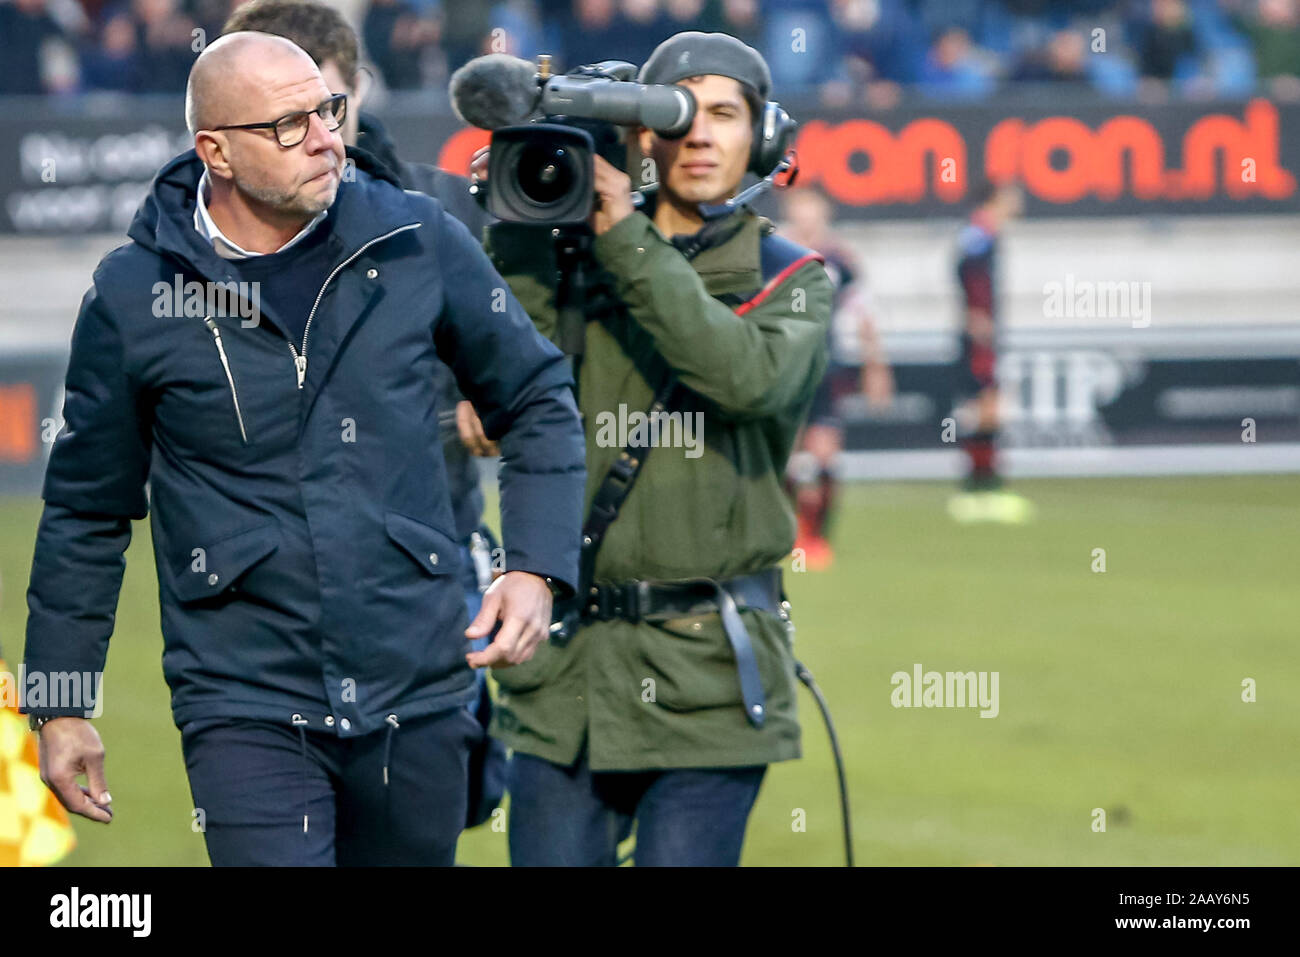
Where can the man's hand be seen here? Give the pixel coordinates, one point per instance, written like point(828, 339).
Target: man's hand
point(471, 432)
point(613, 197)
point(71, 747)
point(522, 601)
point(478, 165)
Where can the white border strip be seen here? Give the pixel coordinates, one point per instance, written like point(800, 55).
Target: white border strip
point(1134, 460)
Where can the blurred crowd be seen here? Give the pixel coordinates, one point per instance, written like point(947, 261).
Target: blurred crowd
point(845, 51)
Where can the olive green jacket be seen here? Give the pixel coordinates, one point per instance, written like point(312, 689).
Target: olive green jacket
point(667, 695)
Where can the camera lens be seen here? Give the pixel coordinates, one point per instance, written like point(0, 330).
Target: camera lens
point(546, 173)
point(541, 173)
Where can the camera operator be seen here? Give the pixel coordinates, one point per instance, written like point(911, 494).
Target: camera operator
point(676, 687)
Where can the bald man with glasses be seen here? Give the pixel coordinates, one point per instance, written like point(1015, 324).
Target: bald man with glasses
point(316, 640)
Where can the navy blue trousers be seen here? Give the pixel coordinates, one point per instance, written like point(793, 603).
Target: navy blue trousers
point(255, 786)
point(690, 817)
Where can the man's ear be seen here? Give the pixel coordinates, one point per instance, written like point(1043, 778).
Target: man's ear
point(213, 150)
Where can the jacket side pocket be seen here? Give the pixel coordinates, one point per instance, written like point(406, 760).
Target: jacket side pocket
point(214, 567)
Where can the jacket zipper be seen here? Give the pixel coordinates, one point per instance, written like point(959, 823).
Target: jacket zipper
point(300, 360)
point(225, 364)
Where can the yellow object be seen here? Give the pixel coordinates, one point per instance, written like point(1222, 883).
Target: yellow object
point(34, 827)
point(1007, 508)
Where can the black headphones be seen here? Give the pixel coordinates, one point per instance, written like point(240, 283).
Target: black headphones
point(773, 136)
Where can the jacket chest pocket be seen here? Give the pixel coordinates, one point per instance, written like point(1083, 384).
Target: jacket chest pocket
point(216, 567)
point(434, 551)
point(228, 393)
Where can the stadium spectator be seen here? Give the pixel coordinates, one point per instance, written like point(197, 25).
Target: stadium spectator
point(1062, 61)
point(954, 68)
point(466, 28)
point(641, 25)
point(211, 14)
point(516, 30)
point(743, 19)
point(114, 62)
point(1167, 48)
point(399, 40)
point(165, 40)
point(693, 15)
point(802, 48)
point(593, 33)
point(880, 47)
point(848, 52)
point(1274, 37)
point(31, 44)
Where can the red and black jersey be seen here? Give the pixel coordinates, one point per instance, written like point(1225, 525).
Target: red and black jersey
point(976, 268)
point(977, 264)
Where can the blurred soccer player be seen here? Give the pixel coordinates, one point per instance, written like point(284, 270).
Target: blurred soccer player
point(983, 497)
point(857, 363)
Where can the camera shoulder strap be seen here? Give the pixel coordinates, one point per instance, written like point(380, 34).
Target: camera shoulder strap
point(779, 258)
point(613, 492)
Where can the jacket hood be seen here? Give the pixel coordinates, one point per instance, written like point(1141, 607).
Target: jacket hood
point(369, 204)
point(373, 137)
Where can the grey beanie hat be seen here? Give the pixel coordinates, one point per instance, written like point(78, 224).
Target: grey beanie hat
point(693, 53)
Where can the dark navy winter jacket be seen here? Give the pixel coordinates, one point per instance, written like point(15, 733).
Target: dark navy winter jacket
point(304, 540)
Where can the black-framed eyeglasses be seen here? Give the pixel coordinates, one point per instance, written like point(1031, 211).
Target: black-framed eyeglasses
point(291, 129)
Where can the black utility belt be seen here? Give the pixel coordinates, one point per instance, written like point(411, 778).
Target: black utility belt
point(661, 600)
point(647, 600)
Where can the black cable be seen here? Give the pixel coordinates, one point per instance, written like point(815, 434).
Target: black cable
point(810, 683)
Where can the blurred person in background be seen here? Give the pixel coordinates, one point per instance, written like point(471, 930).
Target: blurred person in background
point(517, 29)
point(644, 25)
point(811, 64)
point(977, 414)
point(465, 31)
point(399, 41)
point(332, 44)
point(1062, 60)
point(32, 44)
point(880, 48)
point(955, 69)
point(1272, 28)
point(166, 43)
point(857, 364)
point(1167, 47)
point(212, 14)
point(113, 60)
point(593, 33)
point(692, 15)
point(742, 19)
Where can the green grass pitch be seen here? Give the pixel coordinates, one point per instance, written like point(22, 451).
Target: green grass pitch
point(1119, 690)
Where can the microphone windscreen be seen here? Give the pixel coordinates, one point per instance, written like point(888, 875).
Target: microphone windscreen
point(494, 91)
